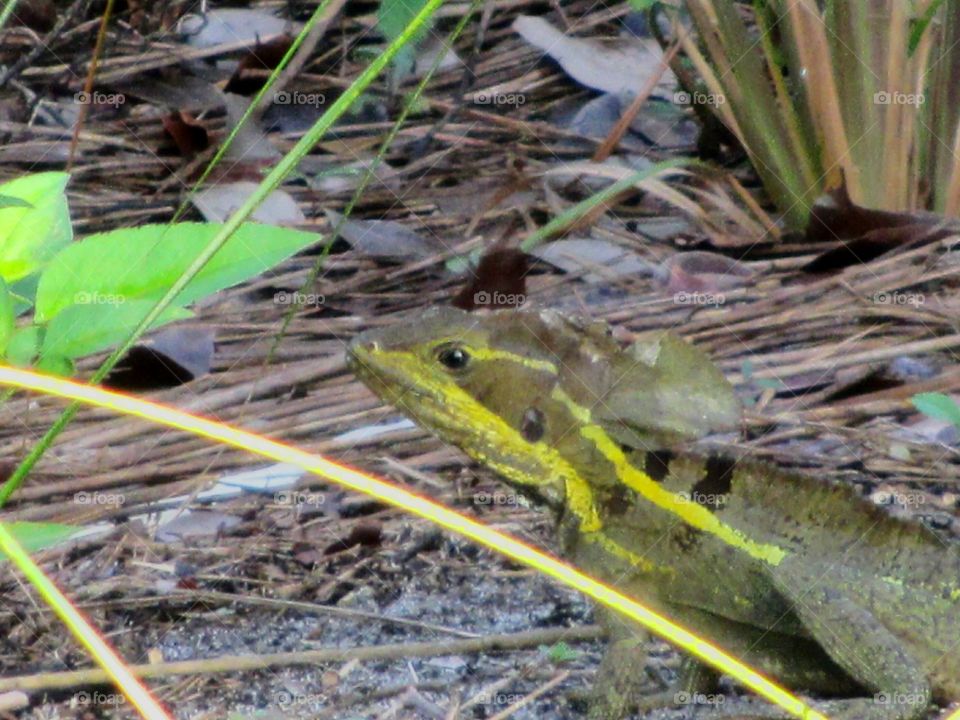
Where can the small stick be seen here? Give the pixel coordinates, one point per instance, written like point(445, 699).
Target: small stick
point(235, 663)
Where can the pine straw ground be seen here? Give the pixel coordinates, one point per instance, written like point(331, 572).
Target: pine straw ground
point(350, 573)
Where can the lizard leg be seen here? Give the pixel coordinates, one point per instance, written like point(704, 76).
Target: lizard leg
point(622, 685)
point(859, 644)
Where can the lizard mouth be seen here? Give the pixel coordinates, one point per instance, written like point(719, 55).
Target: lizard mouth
point(388, 382)
point(427, 404)
point(398, 383)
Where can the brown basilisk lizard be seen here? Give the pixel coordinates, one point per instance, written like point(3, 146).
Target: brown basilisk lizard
point(800, 578)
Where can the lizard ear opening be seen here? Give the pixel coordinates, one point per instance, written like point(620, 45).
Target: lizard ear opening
point(533, 425)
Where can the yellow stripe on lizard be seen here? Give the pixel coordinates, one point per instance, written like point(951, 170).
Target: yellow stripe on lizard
point(694, 515)
point(578, 496)
point(532, 363)
point(855, 597)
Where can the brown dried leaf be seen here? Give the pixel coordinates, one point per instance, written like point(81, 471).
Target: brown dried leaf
point(498, 281)
point(701, 271)
point(622, 65)
point(188, 135)
point(867, 233)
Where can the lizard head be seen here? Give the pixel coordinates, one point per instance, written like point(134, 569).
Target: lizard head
point(516, 389)
point(478, 381)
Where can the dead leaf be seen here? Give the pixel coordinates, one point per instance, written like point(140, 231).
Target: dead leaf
point(499, 281)
point(623, 65)
point(251, 142)
point(218, 202)
point(602, 260)
point(931, 430)
point(867, 233)
point(706, 272)
point(13, 700)
point(249, 77)
point(383, 238)
point(229, 26)
point(597, 117)
point(188, 135)
point(171, 357)
point(665, 124)
point(175, 92)
point(195, 524)
point(427, 55)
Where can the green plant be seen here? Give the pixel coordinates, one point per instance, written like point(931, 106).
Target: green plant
point(34, 223)
point(203, 272)
point(89, 295)
point(393, 16)
point(559, 653)
point(938, 406)
point(35, 536)
point(815, 89)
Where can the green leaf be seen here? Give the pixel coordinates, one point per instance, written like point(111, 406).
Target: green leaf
point(32, 233)
point(38, 536)
point(461, 264)
point(23, 346)
point(84, 329)
point(769, 383)
point(938, 406)
point(10, 201)
point(392, 17)
point(56, 365)
point(141, 263)
point(919, 27)
point(7, 316)
point(559, 653)
point(24, 291)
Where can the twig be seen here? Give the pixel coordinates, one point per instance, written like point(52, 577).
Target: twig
point(303, 53)
point(618, 131)
point(236, 663)
point(27, 60)
point(527, 699)
point(88, 81)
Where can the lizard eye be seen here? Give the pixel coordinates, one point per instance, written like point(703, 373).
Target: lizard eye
point(453, 358)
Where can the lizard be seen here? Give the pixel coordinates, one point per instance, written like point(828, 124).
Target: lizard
point(799, 577)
